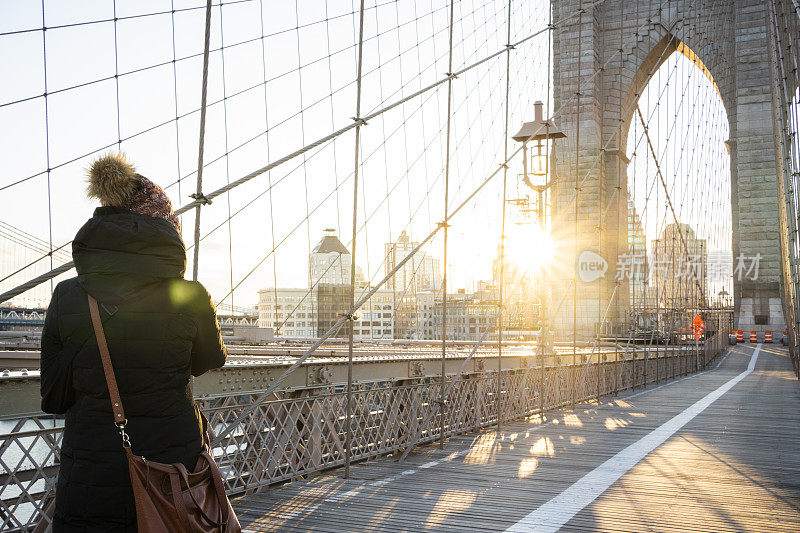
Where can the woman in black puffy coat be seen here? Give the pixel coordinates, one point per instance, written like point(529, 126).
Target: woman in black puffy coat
point(161, 330)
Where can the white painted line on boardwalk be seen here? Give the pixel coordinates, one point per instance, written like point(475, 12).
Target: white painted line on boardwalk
point(558, 511)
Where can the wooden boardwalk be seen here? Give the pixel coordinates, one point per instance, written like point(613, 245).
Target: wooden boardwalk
point(716, 451)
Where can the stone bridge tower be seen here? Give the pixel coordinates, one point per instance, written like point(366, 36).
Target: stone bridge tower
point(730, 39)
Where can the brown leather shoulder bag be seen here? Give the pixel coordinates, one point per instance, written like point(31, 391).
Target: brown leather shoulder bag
point(168, 497)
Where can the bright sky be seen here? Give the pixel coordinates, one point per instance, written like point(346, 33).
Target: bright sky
point(306, 53)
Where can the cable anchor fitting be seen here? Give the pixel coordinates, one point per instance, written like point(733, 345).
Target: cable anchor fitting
point(359, 121)
point(443, 225)
point(451, 75)
point(201, 198)
point(349, 316)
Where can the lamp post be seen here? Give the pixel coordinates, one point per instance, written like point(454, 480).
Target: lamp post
point(543, 133)
point(538, 131)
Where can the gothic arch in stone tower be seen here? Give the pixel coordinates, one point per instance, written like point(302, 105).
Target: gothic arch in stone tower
point(608, 55)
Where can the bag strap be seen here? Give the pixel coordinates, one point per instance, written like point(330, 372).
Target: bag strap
point(222, 499)
point(111, 381)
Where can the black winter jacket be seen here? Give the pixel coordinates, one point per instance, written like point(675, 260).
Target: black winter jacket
point(160, 329)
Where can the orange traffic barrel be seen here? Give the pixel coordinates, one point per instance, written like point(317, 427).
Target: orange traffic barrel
point(740, 336)
point(767, 336)
point(753, 336)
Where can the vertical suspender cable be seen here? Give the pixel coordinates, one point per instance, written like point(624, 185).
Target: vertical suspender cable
point(175, 93)
point(389, 190)
point(545, 320)
point(349, 414)
point(116, 77)
point(47, 142)
point(227, 154)
point(573, 373)
point(199, 194)
point(274, 322)
point(442, 398)
point(599, 227)
point(622, 196)
point(501, 304)
point(311, 282)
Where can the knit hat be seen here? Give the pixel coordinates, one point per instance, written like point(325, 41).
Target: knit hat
point(114, 182)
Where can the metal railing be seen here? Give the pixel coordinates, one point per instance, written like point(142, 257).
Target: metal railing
point(302, 431)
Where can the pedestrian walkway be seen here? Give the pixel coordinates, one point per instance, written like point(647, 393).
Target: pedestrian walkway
point(715, 451)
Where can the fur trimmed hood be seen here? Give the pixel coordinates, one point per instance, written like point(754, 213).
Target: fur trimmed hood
point(119, 254)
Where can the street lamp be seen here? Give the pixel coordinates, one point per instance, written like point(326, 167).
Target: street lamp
point(539, 131)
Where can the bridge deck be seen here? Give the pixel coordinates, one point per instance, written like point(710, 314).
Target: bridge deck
point(717, 451)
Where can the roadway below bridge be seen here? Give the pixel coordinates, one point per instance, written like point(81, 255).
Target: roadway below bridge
point(713, 451)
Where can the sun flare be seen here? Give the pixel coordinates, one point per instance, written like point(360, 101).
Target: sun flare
point(529, 246)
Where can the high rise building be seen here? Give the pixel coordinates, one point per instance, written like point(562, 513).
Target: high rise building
point(329, 274)
point(429, 274)
point(421, 274)
point(310, 312)
point(330, 261)
point(425, 325)
point(679, 278)
point(637, 269)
